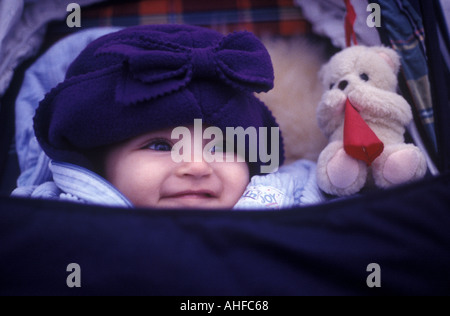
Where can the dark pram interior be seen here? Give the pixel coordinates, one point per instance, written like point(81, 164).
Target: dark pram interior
point(324, 249)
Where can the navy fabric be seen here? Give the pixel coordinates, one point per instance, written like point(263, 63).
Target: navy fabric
point(323, 250)
point(439, 77)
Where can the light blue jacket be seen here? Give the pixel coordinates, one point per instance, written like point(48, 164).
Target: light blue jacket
point(75, 184)
point(291, 186)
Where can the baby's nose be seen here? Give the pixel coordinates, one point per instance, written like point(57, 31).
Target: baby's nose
point(195, 169)
point(343, 84)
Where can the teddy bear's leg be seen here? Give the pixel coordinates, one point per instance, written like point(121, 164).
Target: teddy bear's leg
point(399, 164)
point(338, 173)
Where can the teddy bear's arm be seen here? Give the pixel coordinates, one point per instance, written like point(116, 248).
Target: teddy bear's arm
point(330, 112)
point(380, 104)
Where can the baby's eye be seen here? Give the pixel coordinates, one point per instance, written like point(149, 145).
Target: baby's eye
point(221, 148)
point(218, 149)
point(160, 145)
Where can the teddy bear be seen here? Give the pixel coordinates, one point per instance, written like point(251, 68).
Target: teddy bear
point(365, 120)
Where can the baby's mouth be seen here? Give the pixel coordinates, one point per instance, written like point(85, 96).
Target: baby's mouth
point(192, 195)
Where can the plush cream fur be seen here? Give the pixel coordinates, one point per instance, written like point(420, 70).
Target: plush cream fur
point(296, 95)
point(386, 112)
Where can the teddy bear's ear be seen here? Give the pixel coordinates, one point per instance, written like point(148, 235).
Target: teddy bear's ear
point(391, 57)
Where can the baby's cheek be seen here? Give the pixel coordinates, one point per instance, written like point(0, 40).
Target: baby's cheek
point(236, 177)
point(143, 187)
point(136, 180)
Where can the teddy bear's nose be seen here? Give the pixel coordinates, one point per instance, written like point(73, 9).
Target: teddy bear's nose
point(343, 84)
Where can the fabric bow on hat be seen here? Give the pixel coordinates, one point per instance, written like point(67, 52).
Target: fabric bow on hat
point(154, 69)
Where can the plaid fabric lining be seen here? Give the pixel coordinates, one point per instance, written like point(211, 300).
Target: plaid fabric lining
point(406, 34)
point(262, 17)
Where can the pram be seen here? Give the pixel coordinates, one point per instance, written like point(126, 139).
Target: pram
point(394, 242)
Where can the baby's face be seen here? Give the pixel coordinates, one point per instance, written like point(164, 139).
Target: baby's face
point(144, 171)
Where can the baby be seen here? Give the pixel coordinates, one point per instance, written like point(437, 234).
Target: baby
point(112, 128)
